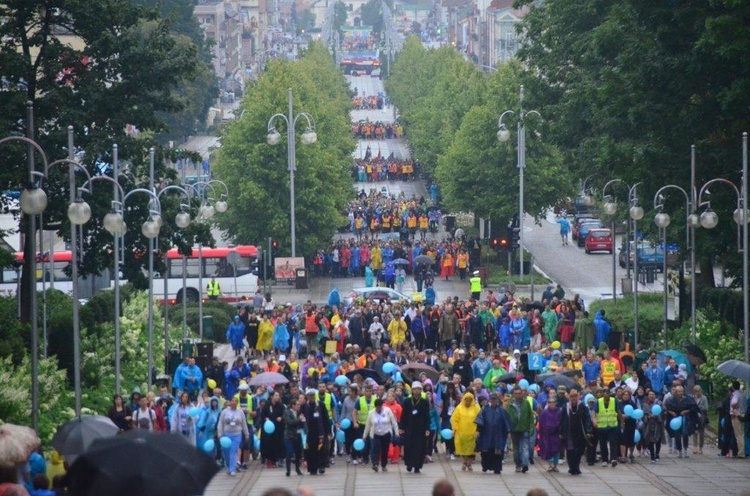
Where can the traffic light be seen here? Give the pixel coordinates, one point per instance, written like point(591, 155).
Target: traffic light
point(499, 244)
point(274, 249)
point(515, 238)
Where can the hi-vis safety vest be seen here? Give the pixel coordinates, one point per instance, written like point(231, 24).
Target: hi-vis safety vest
point(247, 404)
point(213, 288)
point(365, 409)
point(606, 417)
point(476, 284)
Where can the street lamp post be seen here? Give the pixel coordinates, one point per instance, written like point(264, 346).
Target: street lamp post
point(33, 201)
point(309, 136)
point(709, 220)
point(220, 206)
point(662, 221)
point(635, 213)
point(503, 135)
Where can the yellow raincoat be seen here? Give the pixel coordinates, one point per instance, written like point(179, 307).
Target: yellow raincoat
point(265, 335)
point(376, 258)
point(397, 331)
point(463, 425)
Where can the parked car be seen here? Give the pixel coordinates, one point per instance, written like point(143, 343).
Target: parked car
point(578, 220)
point(650, 255)
point(584, 228)
point(380, 295)
point(599, 239)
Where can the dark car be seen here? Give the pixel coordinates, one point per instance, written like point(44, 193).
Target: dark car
point(584, 229)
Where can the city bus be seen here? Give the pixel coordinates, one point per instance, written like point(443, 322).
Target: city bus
point(234, 267)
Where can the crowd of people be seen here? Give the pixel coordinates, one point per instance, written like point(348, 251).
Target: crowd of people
point(377, 130)
point(369, 102)
point(398, 382)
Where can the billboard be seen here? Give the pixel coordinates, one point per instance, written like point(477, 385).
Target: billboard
point(285, 268)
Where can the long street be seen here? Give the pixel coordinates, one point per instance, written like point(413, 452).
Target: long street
point(589, 275)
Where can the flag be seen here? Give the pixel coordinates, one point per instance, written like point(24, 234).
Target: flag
point(379, 155)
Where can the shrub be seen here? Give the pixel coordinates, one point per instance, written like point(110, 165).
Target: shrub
point(621, 315)
point(221, 312)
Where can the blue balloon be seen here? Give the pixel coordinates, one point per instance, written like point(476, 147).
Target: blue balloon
point(193, 412)
point(446, 434)
point(358, 444)
point(637, 414)
point(256, 443)
point(388, 367)
point(676, 423)
point(397, 377)
point(340, 436)
point(628, 410)
point(209, 446)
point(341, 380)
point(225, 442)
point(637, 437)
point(346, 423)
point(656, 410)
point(523, 384)
point(269, 427)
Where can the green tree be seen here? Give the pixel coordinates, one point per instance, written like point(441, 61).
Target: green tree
point(478, 173)
point(631, 85)
point(340, 13)
point(257, 173)
point(433, 89)
point(372, 14)
point(100, 67)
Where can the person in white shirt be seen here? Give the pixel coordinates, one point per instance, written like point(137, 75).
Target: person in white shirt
point(737, 408)
point(515, 362)
point(144, 417)
point(381, 426)
point(376, 331)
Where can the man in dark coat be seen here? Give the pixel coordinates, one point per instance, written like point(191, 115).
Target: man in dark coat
point(356, 329)
point(462, 367)
point(415, 428)
point(576, 429)
point(493, 424)
point(316, 419)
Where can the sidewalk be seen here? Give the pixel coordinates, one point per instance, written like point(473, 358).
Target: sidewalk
point(699, 475)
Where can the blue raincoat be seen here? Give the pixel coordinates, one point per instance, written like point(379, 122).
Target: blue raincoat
point(369, 277)
point(281, 337)
point(208, 421)
point(602, 330)
point(235, 333)
point(334, 299)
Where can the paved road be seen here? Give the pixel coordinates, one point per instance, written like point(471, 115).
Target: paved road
point(700, 475)
point(588, 275)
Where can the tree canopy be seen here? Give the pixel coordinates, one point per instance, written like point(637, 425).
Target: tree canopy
point(257, 173)
point(631, 85)
point(450, 109)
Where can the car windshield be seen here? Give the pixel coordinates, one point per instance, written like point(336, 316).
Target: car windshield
point(589, 225)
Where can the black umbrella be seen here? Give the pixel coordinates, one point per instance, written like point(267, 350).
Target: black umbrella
point(400, 261)
point(75, 437)
point(412, 371)
point(695, 354)
point(534, 305)
point(424, 259)
point(508, 378)
point(557, 380)
point(141, 462)
point(365, 373)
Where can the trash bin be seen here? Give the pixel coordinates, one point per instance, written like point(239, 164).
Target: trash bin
point(450, 223)
point(301, 278)
point(173, 362)
point(208, 327)
point(627, 285)
point(650, 275)
point(187, 348)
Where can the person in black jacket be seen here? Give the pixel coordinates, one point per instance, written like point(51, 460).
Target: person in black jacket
point(316, 419)
point(576, 431)
point(215, 371)
point(462, 367)
point(415, 428)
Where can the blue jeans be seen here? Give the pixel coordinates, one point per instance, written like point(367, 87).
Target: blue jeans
point(230, 454)
point(520, 448)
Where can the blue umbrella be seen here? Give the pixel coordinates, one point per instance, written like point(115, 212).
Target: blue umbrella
point(678, 356)
point(400, 261)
